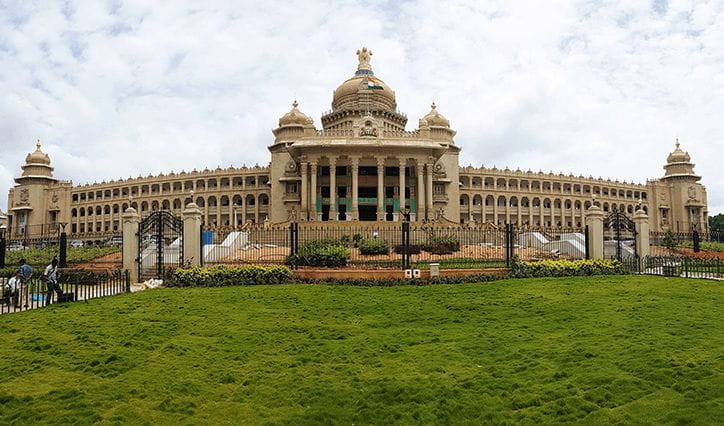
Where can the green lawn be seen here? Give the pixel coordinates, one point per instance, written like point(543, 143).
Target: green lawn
point(591, 349)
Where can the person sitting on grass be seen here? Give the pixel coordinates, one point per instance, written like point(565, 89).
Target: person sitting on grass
point(25, 273)
point(51, 279)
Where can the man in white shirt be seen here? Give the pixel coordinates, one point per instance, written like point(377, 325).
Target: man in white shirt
point(51, 277)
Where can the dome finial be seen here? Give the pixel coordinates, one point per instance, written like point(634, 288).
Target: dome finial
point(364, 56)
point(295, 104)
point(37, 145)
point(433, 106)
point(677, 142)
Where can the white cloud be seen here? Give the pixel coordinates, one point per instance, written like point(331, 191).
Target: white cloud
point(127, 88)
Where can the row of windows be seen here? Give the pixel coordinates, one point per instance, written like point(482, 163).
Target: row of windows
point(546, 203)
point(237, 200)
point(538, 186)
point(186, 186)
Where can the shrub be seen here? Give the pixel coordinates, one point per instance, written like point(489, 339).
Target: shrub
point(327, 252)
point(443, 244)
point(412, 249)
point(374, 246)
point(565, 268)
point(223, 276)
point(392, 282)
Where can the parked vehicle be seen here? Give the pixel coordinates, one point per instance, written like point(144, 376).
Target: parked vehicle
point(76, 243)
point(15, 247)
point(115, 241)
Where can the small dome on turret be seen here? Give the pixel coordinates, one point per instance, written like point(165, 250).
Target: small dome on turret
point(295, 117)
point(678, 164)
point(435, 119)
point(37, 157)
point(678, 156)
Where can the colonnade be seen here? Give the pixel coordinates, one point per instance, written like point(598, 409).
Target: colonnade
point(315, 185)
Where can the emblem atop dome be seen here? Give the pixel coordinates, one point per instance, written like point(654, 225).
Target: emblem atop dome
point(364, 56)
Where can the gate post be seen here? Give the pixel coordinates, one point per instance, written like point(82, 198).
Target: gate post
point(641, 219)
point(130, 242)
point(594, 220)
point(192, 235)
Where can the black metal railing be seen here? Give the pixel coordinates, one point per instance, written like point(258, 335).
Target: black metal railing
point(676, 266)
point(76, 286)
point(393, 246)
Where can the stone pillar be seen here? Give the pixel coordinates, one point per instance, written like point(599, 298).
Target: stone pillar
point(257, 207)
point(333, 188)
point(428, 195)
point(594, 219)
point(403, 162)
point(355, 183)
point(380, 189)
point(420, 202)
point(641, 219)
point(192, 234)
point(130, 242)
point(305, 192)
point(313, 191)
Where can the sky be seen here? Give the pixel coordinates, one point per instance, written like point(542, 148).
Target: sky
point(115, 89)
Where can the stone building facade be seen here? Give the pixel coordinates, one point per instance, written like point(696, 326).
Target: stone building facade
point(362, 165)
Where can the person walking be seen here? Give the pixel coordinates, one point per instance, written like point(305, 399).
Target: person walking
point(51, 279)
point(25, 273)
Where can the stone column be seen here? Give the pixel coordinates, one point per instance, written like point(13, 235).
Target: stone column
point(380, 189)
point(420, 202)
point(313, 191)
point(355, 183)
point(403, 162)
point(305, 192)
point(428, 194)
point(333, 188)
point(130, 242)
point(641, 219)
point(192, 234)
point(594, 219)
point(257, 207)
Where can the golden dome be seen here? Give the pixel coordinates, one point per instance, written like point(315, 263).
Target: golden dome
point(37, 157)
point(678, 156)
point(435, 119)
point(295, 117)
point(364, 90)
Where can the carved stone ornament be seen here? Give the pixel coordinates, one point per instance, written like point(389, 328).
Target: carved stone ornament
point(692, 193)
point(439, 169)
point(293, 215)
point(55, 198)
point(291, 166)
point(24, 197)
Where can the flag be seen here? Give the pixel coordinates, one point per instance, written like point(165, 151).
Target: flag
point(373, 83)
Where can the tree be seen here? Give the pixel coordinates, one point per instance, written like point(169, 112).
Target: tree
point(670, 241)
point(716, 222)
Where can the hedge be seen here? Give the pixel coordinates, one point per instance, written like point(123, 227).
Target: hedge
point(374, 246)
point(223, 276)
point(565, 268)
point(328, 252)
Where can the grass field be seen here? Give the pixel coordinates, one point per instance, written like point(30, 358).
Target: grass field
point(591, 349)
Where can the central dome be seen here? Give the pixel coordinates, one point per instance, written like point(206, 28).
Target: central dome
point(364, 91)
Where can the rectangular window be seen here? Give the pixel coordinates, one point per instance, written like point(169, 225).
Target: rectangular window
point(439, 189)
point(325, 192)
point(392, 171)
point(341, 170)
point(291, 188)
point(324, 171)
point(407, 193)
point(389, 191)
point(341, 191)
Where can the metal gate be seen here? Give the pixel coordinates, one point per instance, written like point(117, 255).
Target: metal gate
point(160, 244)
point(619, 236)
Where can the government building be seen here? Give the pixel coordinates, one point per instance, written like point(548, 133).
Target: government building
point(362, 165)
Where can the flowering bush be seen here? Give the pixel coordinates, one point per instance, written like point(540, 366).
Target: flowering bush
point(565, 268)
point(222, 276)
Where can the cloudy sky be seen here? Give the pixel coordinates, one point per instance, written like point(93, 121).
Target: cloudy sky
point(121, 88)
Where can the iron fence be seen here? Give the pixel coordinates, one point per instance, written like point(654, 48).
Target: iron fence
point(676, 266)
point(391, 246)
point(36, 293)
point(670, 243)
